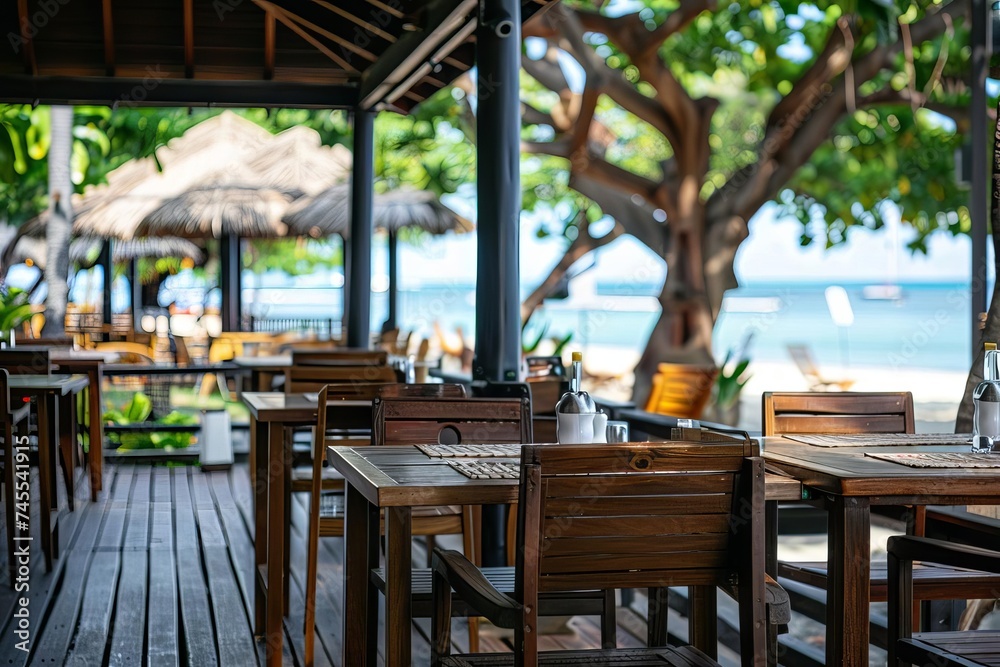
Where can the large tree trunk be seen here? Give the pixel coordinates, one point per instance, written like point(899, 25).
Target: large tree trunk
point(963, 421)
point(59, 229)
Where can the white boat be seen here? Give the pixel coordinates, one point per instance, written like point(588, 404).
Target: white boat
point(885, 292)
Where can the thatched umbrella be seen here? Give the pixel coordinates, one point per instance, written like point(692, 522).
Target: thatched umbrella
point(217, 146)
point(296, 160)
point(330, 213)
point(220, 210)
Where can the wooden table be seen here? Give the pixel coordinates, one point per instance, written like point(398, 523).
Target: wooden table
point(90, 363)
point(51, 394)
point(850, 483)
point(263, 369)
point(270, 454)
point(397, 479)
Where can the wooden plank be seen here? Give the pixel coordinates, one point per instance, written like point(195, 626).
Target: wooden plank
point(649, 505)
point(600, 546)
point(604, 486)
point(164, 627)
point(53, 644)
point(232, 624)
point(636, 525)
point(130, 625)
point(199, 637)
point(44, 592)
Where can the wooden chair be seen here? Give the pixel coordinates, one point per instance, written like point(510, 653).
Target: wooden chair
point(13, 416)
point(326, 512)
point(699, 523)
point(851, 413)
point(26, 360)
point(300, 379)
point(681, 390)
point(979, 647)
point(803, 359)
point(31, 360)
point(344, 356)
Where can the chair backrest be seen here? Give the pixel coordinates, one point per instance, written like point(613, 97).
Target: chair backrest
point(339, 357)
point(4, 394)
point(681, 390)
point(26, 360)
point(638, 515)
point(314, 378)
point(837, 412)
point(451, 421)
point(435, 390)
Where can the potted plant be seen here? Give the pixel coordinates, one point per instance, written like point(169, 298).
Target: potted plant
point(724, 406)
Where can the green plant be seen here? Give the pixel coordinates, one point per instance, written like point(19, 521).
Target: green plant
point(136, 412)
point(14, 310)
point(732, 375)
point(530, 346)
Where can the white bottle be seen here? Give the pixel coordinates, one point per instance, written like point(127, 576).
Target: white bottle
point(986, 398)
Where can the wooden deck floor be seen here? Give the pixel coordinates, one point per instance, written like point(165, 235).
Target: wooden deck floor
point(158, 571)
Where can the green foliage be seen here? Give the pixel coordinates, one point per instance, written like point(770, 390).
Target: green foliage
point(14, 309)
point(732, 376)
point(748, 55)
point(531, 341)
point(136, 412)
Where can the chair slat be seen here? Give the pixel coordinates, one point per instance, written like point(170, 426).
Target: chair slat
point(669, 544)
point(599, 562)
point(652, 505)
point(636, 524)
point(635, 485)
point(845, 424)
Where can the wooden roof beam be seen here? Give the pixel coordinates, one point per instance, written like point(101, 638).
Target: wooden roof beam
point(27, 31)
point(270, 25)
point(316, 20)
point(367, 26)
point(109, 91)
point(289, 21)
point(189, 38)
point(443, 21)
point(109, 38)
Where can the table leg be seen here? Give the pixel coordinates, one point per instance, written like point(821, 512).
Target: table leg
point(67, 443)
point(275, 541)
point(286, 523)
point(398, 589)
point(258, 468)
point(703, 629)
point(9, 487)
point(45, 481)
point(771, 568)
point(95, 455)
point(361, 533)
point(848, 586)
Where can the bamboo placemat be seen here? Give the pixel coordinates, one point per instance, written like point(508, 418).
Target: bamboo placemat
point(883, 439)
point(940, 459)
point(487, 469)
point(471, 451)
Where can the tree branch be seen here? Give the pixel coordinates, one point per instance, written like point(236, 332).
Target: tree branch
point(803, 132)
point(637, 219)
point(583, 244)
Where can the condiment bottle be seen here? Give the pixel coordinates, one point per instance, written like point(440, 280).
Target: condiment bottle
point(986, 398)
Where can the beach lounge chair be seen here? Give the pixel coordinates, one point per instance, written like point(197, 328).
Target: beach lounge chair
point(803, 358)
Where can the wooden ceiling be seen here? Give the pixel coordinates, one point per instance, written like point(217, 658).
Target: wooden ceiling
point(297, 53)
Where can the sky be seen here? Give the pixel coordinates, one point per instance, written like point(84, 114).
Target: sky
point(771, 254)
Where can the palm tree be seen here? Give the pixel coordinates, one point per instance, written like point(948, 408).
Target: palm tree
point(60, 223)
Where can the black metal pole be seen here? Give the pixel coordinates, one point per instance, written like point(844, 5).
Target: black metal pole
point(390, 320)
point(981, 149)
point(359, 267)
point(498, 300)
point(229, 260)
point(109, 280)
